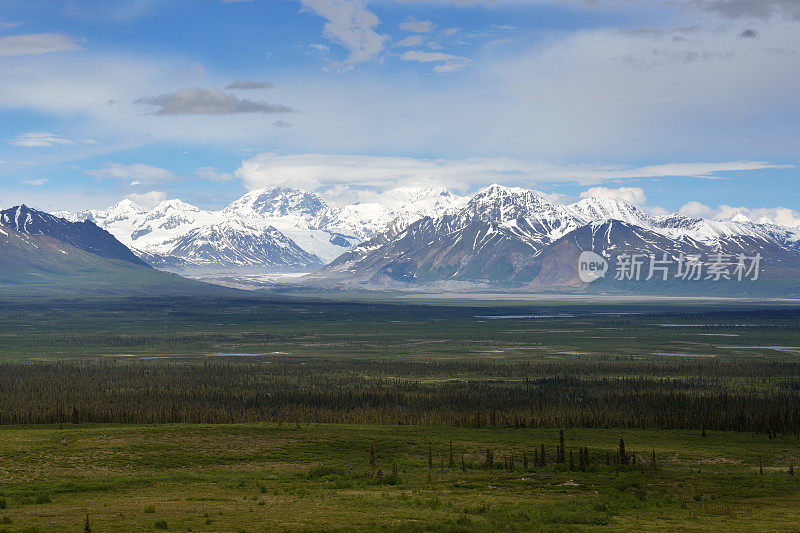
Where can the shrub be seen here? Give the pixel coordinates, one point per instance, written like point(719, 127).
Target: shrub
point(161, 524)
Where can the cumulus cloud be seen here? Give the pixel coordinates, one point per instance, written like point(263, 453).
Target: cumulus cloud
point(212, 174)
point(36, 43)
point(411, 40)
point(313, 171)
point(781, 216)
point(448, 62)
point(239, 84)
point(200, 101)
point(149, 199)
point(416, 26)
point(352, 25)
point(632, 195)
point(696, 209)
point(40, 139)
point(137, 174)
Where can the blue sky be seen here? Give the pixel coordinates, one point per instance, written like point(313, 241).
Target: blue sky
point(686, 104)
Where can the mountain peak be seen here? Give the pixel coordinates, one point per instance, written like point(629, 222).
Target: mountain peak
point(175, 204)
point(85, 236)
point(273, 202)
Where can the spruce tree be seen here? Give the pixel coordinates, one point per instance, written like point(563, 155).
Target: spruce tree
point(451, 462)
point(430, 455)
point(623, 459)
point(87, 527)
point(571, 461)
point(542, 457)
point(561, 451)
point(372, 461)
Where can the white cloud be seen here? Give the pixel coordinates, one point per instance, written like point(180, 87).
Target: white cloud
point(411, 40)
point(39, 139)
point(696, 209)
point(416, 26)
point(632, 195)
point(149, 199)
point(312, 171)
point(449, 63)
point(212, 174)
point(352, 25)
point(37, 182)
point(36, 43)
point(6, 25)
point(137, 172)
point(782, 216)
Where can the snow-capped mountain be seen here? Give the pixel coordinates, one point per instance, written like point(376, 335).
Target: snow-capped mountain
point(513, 236)
point(503, 235)
point(275, 227)
point(84, 235)
point(233, 243)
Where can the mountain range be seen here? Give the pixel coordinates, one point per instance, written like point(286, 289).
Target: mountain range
point(275, 227)
point(501, 236)
point(41, 254)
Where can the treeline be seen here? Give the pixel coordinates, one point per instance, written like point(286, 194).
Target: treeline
point(734, 396)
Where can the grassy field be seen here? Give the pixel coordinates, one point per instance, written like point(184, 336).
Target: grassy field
point(407, 380)
point(256, 477)
point(171, 327)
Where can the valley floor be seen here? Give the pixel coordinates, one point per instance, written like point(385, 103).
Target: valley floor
point(265, 477)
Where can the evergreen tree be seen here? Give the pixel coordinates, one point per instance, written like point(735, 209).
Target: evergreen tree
point(430, 455)
point(451, 461)
point(623, 458)
point(571, 461)
point(561, 451)
point(372, 461)
point(525, 460)
point(542, 457)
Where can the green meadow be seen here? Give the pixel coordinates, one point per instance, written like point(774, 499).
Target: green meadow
point(319, 415)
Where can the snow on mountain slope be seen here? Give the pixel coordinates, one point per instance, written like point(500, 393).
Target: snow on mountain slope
point(502, 233)
point(84, 235)
point(233, 243)
point(321, 232)
point(597, 209)
point(495, 236)
point(489, 234)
